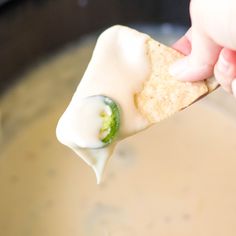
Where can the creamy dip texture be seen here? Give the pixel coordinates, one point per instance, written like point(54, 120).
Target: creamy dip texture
point(183, 184)
point(118, 68)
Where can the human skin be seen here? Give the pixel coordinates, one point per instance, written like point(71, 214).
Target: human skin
point(210, 44)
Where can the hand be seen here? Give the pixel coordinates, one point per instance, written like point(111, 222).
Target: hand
point(210, 44)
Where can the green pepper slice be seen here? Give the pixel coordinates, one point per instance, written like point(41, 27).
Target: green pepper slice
point(111, 121)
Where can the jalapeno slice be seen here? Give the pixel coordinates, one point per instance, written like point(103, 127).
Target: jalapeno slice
point(111, 121)
point(97, 122)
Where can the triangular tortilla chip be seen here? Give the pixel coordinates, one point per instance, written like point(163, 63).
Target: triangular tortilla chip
point(162, 94)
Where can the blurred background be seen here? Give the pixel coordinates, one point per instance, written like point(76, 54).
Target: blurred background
point(175, 179)
point(31, 29)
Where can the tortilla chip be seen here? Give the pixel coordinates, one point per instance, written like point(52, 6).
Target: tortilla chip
point(162, 94)
point(212, 84)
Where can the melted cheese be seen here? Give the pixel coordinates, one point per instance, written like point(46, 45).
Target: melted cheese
point(117, 69)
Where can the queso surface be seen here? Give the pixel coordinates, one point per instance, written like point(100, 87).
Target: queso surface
point(175, 179)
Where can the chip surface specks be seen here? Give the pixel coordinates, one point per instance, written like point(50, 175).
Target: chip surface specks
point(163, 95)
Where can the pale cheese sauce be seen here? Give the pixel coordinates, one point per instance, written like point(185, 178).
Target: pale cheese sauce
point(176, 178)
point(117, 69)
point(85, 129)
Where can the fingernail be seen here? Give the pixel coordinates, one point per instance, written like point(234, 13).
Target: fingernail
point(233, 85)
point(224, 66)
point(178, 68)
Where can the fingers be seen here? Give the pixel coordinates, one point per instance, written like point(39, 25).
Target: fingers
point(225, 70)
point(183, 45)
point(199, 64)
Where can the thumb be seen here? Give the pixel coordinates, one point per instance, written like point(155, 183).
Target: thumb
point(199, 64)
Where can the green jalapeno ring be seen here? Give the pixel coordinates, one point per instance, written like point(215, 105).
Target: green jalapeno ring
point(111, 121)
